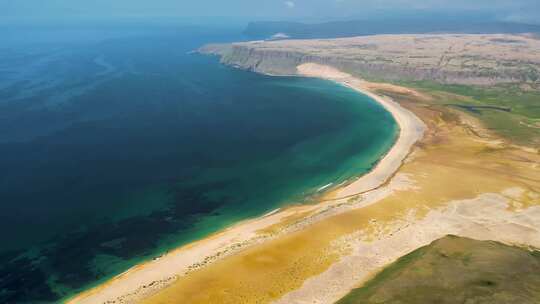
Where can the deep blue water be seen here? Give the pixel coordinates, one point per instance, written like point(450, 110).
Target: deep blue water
point(117, 144)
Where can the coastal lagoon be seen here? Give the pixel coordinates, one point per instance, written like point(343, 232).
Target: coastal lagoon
point(118, 143)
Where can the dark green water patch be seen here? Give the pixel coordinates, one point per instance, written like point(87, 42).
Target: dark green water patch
point(479, 109)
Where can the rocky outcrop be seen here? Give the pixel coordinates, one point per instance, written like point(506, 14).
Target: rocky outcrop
point(391, 59)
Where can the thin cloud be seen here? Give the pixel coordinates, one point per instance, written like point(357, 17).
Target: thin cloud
point(290, 4)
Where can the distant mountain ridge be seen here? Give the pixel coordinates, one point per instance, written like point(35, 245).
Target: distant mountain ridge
point(339, 29)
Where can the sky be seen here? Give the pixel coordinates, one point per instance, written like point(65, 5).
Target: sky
point(527, 11)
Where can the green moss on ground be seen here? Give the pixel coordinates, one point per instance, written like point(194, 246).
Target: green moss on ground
point(509, 110)
point(456, 270)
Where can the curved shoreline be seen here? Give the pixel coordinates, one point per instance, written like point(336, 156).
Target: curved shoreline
point(411, 130)
point(149, 277)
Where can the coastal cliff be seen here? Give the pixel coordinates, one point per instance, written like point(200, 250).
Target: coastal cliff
point(448, 59)
point(272, 62)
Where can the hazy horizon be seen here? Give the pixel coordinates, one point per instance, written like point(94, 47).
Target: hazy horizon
point(522, 11)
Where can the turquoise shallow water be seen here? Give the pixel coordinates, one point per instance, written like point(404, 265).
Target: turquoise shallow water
point(118, 145)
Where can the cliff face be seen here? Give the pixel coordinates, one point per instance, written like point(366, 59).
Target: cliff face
point(280, 63)
point(450, 59)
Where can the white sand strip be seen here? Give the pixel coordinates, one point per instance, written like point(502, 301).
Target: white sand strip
point(411, 129)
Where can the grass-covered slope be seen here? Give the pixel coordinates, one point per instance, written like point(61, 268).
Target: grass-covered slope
point(456, 270)
point(511, 111)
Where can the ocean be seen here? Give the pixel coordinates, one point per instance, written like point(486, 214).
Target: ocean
point(118, 143)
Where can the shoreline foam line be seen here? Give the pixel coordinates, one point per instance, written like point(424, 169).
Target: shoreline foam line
point(324, 187)
point(146, 278)
point(411, 129)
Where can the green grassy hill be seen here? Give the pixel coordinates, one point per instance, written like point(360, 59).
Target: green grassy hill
point(456, 270)
point(508, 110)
